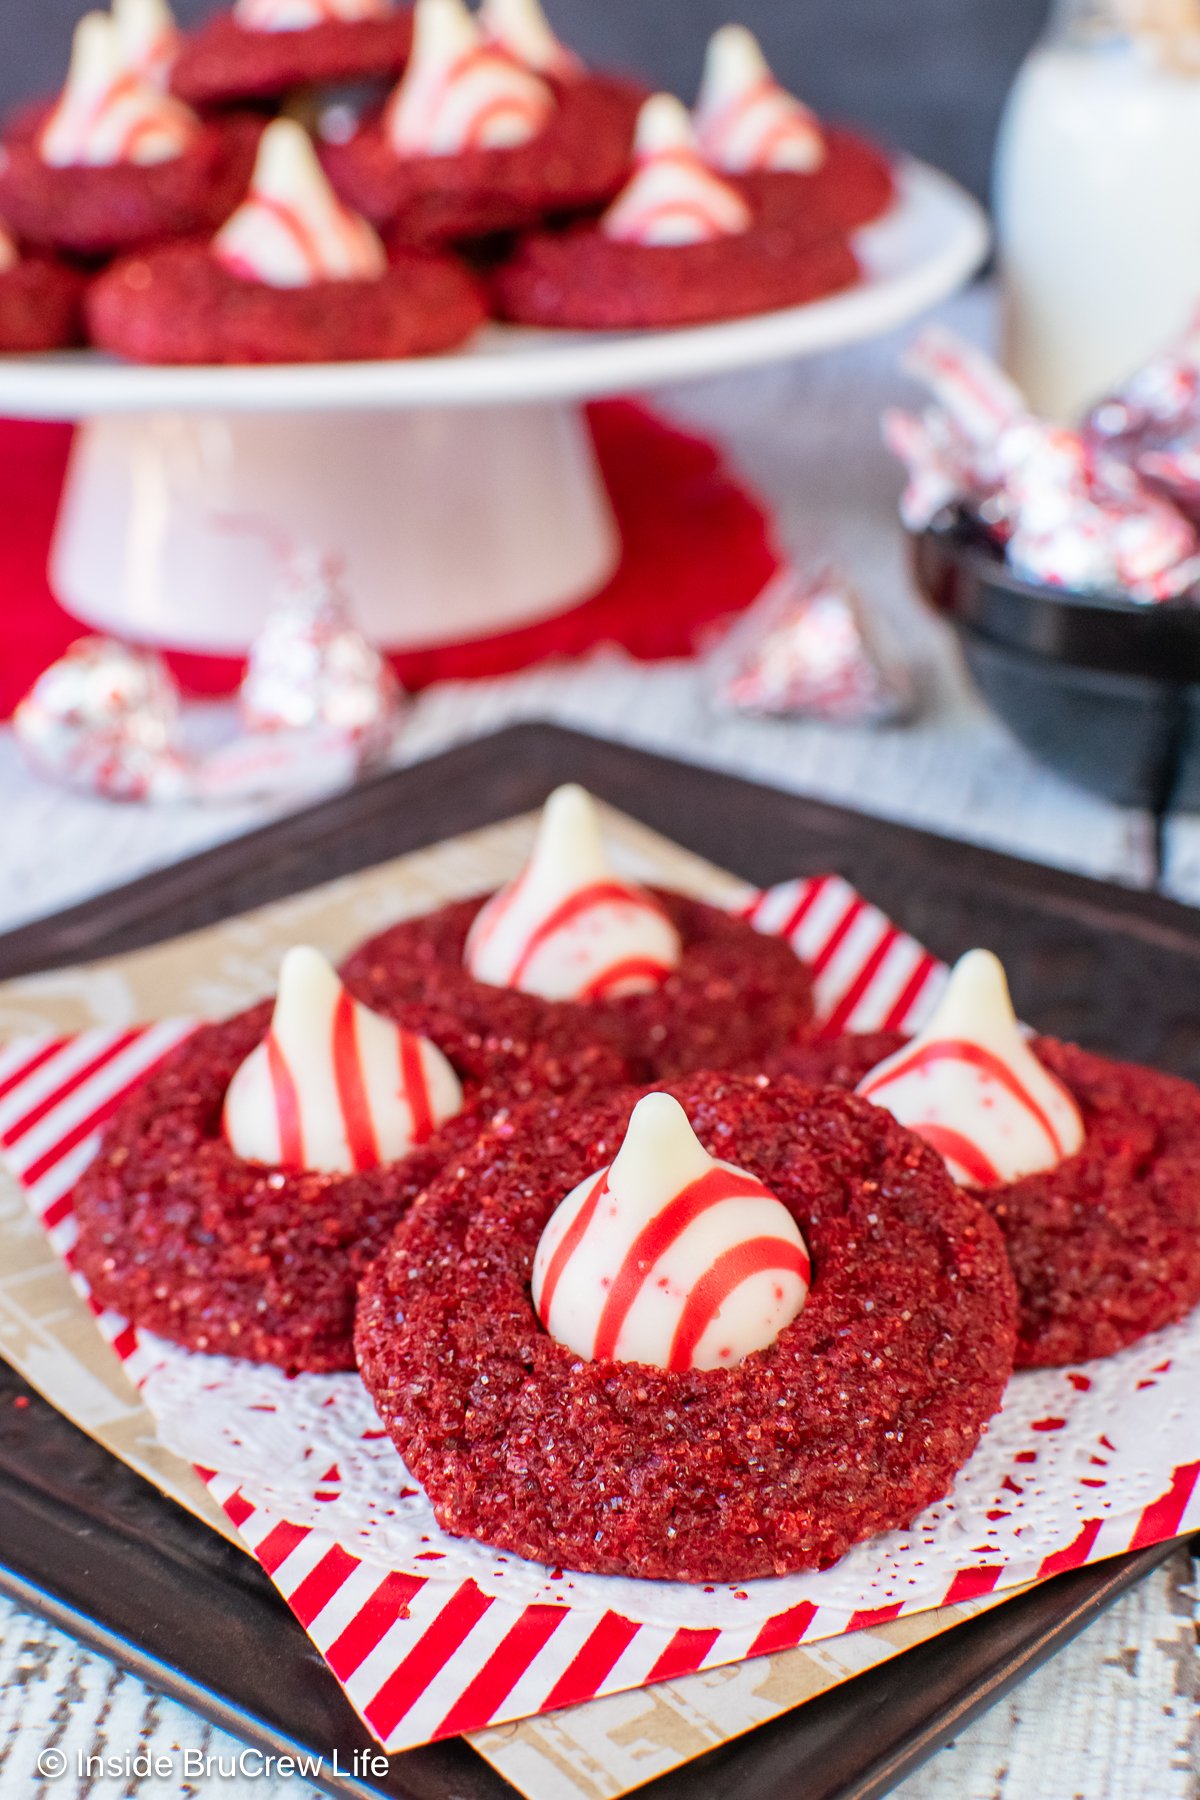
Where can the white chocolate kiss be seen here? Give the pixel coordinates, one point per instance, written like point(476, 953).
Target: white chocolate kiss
point(107, 113)
point(291, 230)
point(521, 28)
point(458, 94)
point(302, 15)
point(333, 1085)
point(972, 1088)
point(744, 120)
point(569, 928)
point(148, 37)
point(672, 197)
point(669, 1257)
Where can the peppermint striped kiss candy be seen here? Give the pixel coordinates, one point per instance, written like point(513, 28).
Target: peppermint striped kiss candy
point(458, 93)
point(148, 37)
point(744, 119)
point(521, 29)
point(970, 1085)
point(302, 15)
point(672, 197)
point(107, 113)
point(568, 928)
point(668, 1257)
point(291, 230)
point(334, 1086)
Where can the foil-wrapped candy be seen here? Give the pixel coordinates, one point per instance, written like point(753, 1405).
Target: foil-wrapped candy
point(1152, 423)
point(1088, 527)
point(318, 704)
point(806, 649)
point(950, 450)
point(310, 668)
point(1068, 509)
point(105, 718)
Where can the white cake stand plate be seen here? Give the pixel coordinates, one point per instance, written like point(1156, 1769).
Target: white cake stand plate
point(461, 491)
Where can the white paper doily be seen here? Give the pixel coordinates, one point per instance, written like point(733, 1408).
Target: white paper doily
point(1094, 1442)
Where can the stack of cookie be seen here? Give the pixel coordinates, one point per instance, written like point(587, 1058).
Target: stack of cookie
point(323, 180)
point(644, 1275)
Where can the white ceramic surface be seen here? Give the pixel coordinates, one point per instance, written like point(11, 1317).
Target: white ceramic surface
point(933, 240)
point(461, 490)
point(451, 524)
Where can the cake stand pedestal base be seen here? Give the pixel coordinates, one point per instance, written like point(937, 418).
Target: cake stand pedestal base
point(453, 523)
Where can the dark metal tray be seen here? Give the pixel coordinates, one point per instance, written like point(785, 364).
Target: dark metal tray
point(95, 1548)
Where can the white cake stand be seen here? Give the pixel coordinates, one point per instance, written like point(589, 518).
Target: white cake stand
point(461, 491)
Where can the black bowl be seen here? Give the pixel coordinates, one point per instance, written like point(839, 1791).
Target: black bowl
point(1106, 691)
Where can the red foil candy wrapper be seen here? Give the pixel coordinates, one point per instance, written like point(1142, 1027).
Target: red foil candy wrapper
point(806, 650)
point(105, 718)
point(311, 669)
point(1095, 511)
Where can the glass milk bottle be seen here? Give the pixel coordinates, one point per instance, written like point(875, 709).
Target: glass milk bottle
point(1097, 197)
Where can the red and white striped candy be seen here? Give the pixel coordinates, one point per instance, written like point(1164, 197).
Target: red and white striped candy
point(568, 928)
point(941, 467)
point(1088, 524)
point(672, 197)
point(334, 1086)
point(148, 37)
point(459, 94)
point(107, 112)
point(301, 15)
point(973, 390)
point(291, 230)
point(970, 1085)
point(521, 29)
point(668, 1257)
point(744, 120)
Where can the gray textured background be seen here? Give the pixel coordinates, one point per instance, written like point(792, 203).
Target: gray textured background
point(926, 75)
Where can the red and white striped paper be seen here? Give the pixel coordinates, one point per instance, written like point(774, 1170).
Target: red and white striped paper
point(421, 1659)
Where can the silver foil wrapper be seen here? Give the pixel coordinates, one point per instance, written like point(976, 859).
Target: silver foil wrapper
point(106, 719)
point(1101, 510)
point(311, 669)
point(318, 705)
point(806, 649)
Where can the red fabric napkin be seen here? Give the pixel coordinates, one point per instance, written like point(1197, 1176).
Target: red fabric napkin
point(697, 548)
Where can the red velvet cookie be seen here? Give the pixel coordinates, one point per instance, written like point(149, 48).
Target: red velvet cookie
point(735, 993)
point(182, 1236)
point(576, 163)
point(40, 305)
point(179, 305)
point(1106, 1246)
point(580, 279)
point(104, 210)
point(853, 186)
point(856, 1418)
point(223, 62)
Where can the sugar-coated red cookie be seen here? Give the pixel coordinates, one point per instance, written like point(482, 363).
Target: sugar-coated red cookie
point(853, 186)
point(182, 1236)
point(577, 163)
point(104, 211)
point(1106, 1247)
point(179, 305)
point(580, 279)
point(735, 994)
point(853, 1421)
point(222, 62)
point(41, 305)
